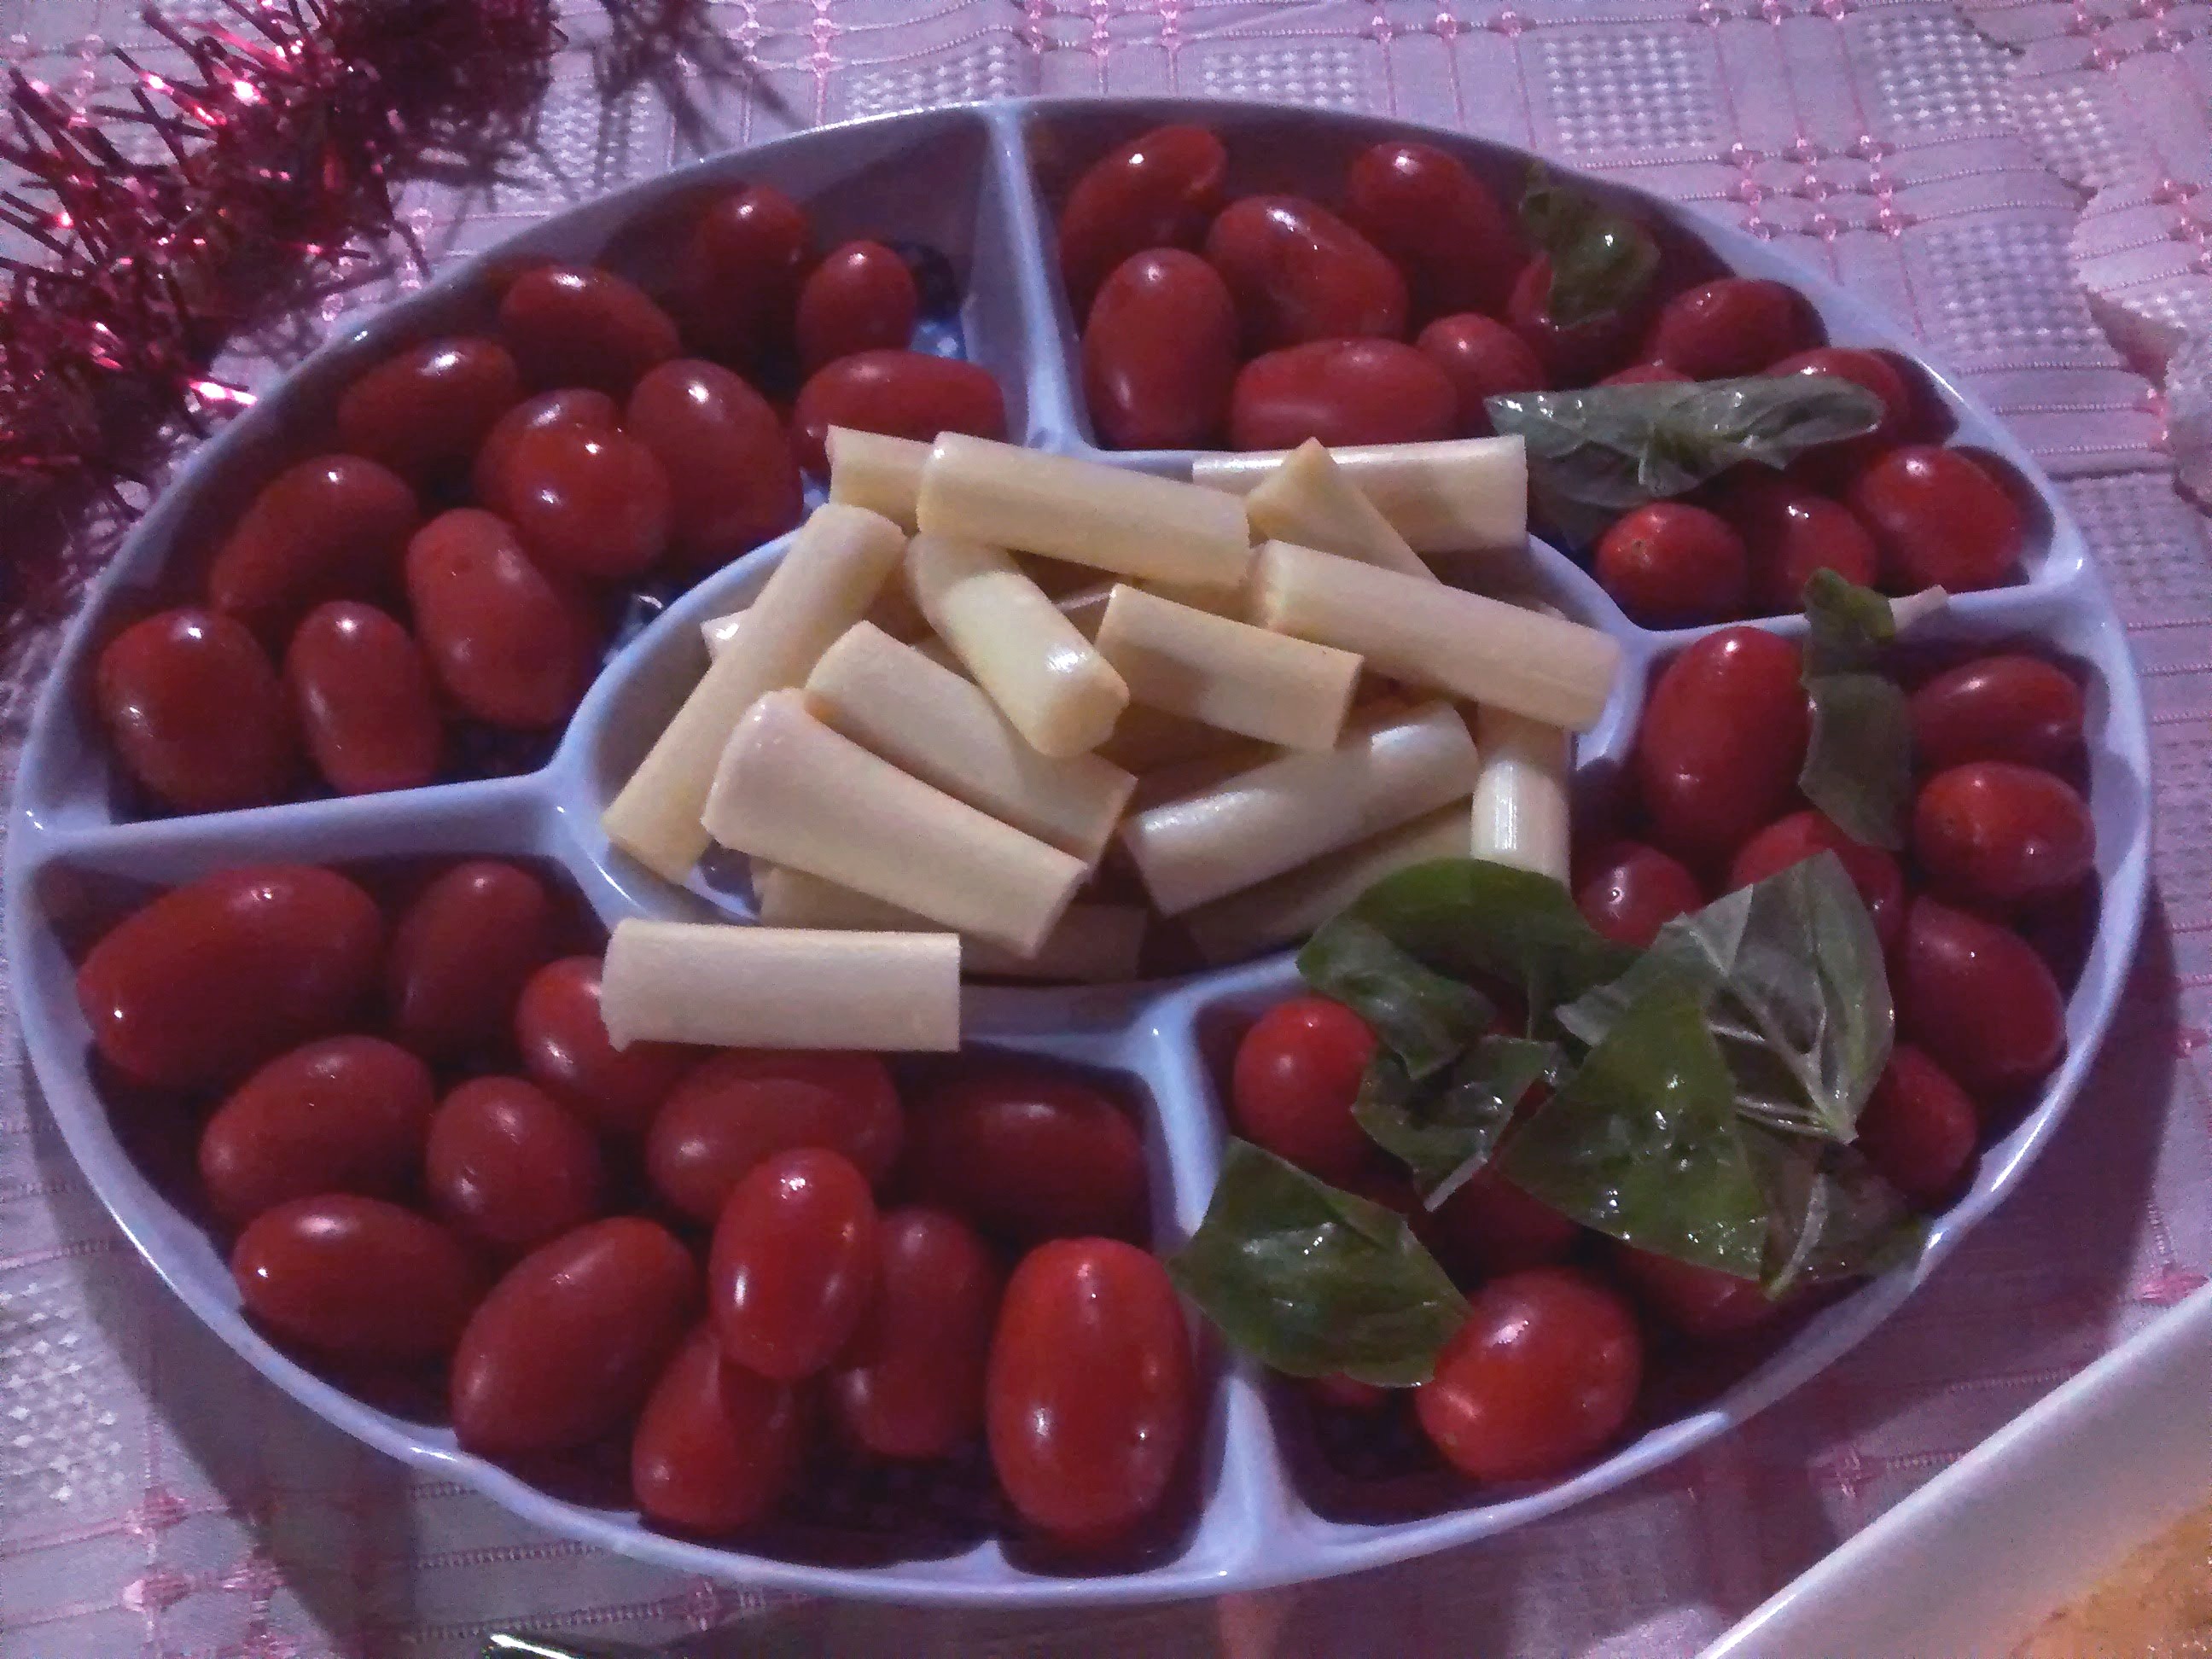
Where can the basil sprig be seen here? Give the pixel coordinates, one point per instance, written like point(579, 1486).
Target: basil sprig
point(1858, 765)
point(1602, 262)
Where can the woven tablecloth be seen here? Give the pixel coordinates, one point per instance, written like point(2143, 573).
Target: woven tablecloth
point(1969, 168)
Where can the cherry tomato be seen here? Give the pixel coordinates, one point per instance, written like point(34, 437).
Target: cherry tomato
point(204, 983)
point(1027, 1152)
point(1631, 891)
point(1801, 835)
point(1976, 996)
point(1867, 369)
point(1696, 1300)
point(593, 504)
point(742, 270)
point(362, 694)
point(732, 482)
point(1646, 374)
point(460, 955)
point(1998, 833)
point(1919, 1128)
point(346, 1114)
point(1736, 325)
point(1576, 355)
point(594, 411)
point(1347, 1394)
point(734, 1109)
point(565, 1048)
point(794, 1263)
point(1090, 1398)
point(430, 408)
point(716, 1446)
point(1939, 520)
point(860, 298)
point(507, 1166)
point(510, 645)
point(1722, 737)
point(1159, 353)
point(573, 325)
point(1791, 532)
point(1342, 391)
point(1296, 1075)
point(1160, 190)
point(1668, 563)
point(569, 1342)
point(2007, 707)
point(356, 1279)
point(331, 528)
point(1298, 273)
point(1481, 357)
point(905, 394)
point(1458, 247)
point(1490, 1226)
point(1543, 1373)
point(910, 1383)
point(195, 712)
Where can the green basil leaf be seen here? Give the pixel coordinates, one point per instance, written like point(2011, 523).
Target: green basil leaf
point(1642, 1143)
point(1858, 765)
point(1421, 1016)
point(1847, 627)
point(1602, 261)
point(1447, 1131)
point(1833, 1215)
point(1312, 1280)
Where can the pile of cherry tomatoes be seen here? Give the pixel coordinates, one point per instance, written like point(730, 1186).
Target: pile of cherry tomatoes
point(748, 1266)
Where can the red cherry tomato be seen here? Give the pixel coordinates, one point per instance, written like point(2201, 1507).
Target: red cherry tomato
point(1342, 391)
point(1295, 1076)
point(569, 1343)
point(331, 528)
point(732, 482)
point(905, 394)
point(356, 1279)
point(1481, 357)
point(1347, 1394)
point(1696, 1300)
point(1998, 833)
point(1298, 273)
point(1631, 891)
point(716, 1446)
point(1919, 1128)
point(1458, 247)
point(362, 694)
point(2006, 708)
point(204, 983)
point(794, 1263)
point(1722, 737)
point(1669, 564)
point(1800, 836)
point(1027, 1152)
point(1791, 532)
point(592, 504)
point(1160, 190)
point(741, 273)
point(594, 411)
point(733, 1110)
point(510, 645)
point(460, 956)
point(1736, 325)
point(346, 1114)
point(1867, 369)
point(910, 1383)
point(1490, 1226)
point(1543, 1373)
point(195, 712)
point(507, 1166)
point(1976, 997)
point(566, 1050)
point(1646, 374)
point(1576, 355)
point(1159, 353)
point(1090, 1398)
point(1939, 520)
point(860, 298)
point(431, 408)
point(573, 325)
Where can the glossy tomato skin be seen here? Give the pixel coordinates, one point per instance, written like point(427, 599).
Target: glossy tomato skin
point(509, 645)
point(1482, 358)
point(1939, 520)
point(1159, 353)
point(1457, 247)
point(357, 1279)
point(576, 325)
point(363, 698)
point(1630, 891)
point(794, 1263)
point(1791, 531)
point(1489, 1226)
point(736, 1109)
point(508, 1167)
point(1543, 1374)
point(1090, 1398)
point(910, 1383)
point(1801, 835)
point(334, 527)
point(427, 409)
point(748, 254)
point(198, 987)
point(1697, 1301)
point(460, 954)
point(2000, 834)
point(860, 298)
point(1294, 1080)
point(1736, 325)
point(1576, 355)
point(1919, 1128)
point(716, 1446)
point(572, 1338)
point(1160, 190)
point(344, 1115)
point(1668, 564)
point(577, 406)
point(196, 712)
point(904, 394)
point(1298, 273)
point(1721, 740)
point(1342, 391)
point(731, 478)
point(565, 1049)
point(1027, 1153)
point(1976, 998)
point(2005, 708)
point(1869, 369)
point(589, 503)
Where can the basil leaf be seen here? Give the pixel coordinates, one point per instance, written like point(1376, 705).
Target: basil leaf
point(1602, 261)
point(1858, 765)
point(1642, 1143)
point(1847, 627)
point(1422, 1018)
point(1445, 1132)
point(1312, 1280)
point(1833, 1215)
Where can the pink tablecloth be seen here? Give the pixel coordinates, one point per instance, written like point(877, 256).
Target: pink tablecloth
point(1952, 163)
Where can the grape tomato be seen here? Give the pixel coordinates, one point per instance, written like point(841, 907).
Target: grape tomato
point(1159, 353)
point(577, 406)
point(736, 1109)
point(1998, 833)
point(910, 1383)
point(732, 482)
point(1027, 1152)
point(460, 954)
point(1630, 891)
point(344, 1115)
point(1734, 325)
point(1482, 358)
point(1976, 998)
point(1789, 532)
point(748, 254)
point(576, 325)
point(794, 1263)
point(716, 1446)
point(1870, 369)
point(508, 1167)
point(1293, 1083)
point(1298, 273)
point(427, 409)
point(1668, 564)
point(591, 503)
point(1457, 247)
point(357, 1279)
point(1801, 835)
point(511, 645)
point(1939, 519)
point(1342, 391)
point(1696, 1300)
point(1723, 736)
point(363, 698)
point(195, 712)
point(335, 527)
point(1160, 190)
point(1489, 1226)
point(1576, 354)
point(903, 394)
point(566, 1051)
point(860, 298)
point(1919, 1128)
point(2007, 707)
